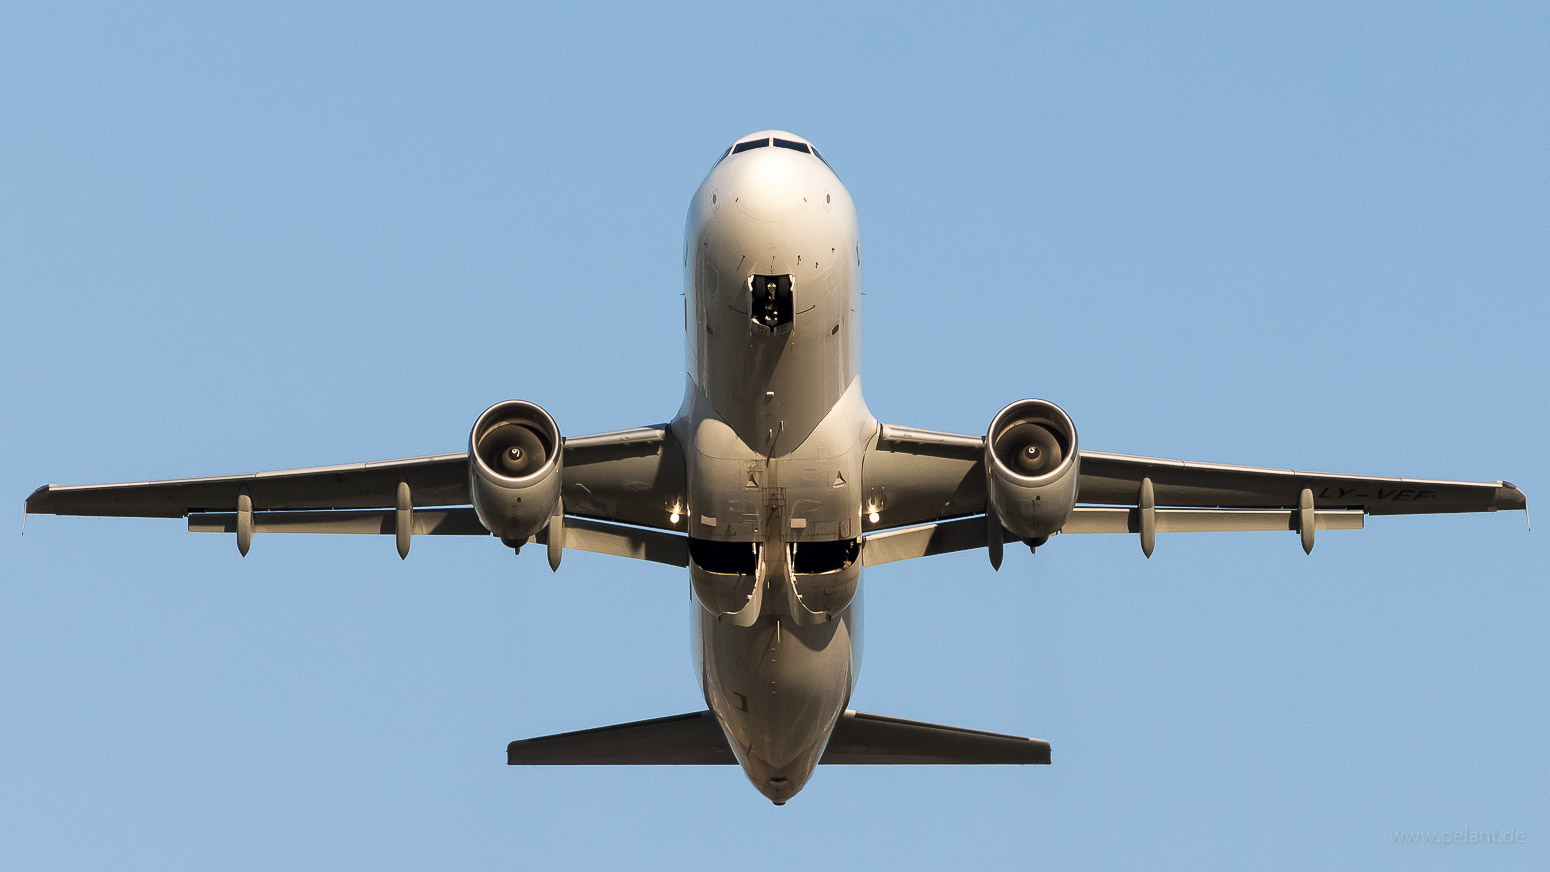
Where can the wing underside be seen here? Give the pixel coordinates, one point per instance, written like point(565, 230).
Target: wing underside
point(932, 487)
point(610, 486)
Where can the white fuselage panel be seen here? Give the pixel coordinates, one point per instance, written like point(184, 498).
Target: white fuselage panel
point(773, 429)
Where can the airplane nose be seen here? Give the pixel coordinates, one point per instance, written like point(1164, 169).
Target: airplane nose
point(769, 185)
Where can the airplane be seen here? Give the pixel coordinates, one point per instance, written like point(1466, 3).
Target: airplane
point(774, 486)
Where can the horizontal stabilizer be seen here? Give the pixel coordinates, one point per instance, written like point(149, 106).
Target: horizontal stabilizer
point(860, 738)
point(693, 739)
point(696, 739)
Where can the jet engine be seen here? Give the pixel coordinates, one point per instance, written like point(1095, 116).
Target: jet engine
point(1031, 468)
point(514, 469)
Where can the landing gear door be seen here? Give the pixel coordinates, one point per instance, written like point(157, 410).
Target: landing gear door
point(771, 306)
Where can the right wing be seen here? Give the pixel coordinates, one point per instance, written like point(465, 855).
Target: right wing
point(436, 480)
point(613, 485)
point(627, 476)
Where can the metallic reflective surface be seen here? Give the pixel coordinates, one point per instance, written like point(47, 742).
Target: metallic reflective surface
point(774, 431)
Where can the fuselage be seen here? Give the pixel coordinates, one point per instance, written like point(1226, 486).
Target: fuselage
point(773, 429)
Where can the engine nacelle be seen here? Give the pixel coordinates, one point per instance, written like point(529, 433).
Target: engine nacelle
point(1031, 468)
point(514, 454)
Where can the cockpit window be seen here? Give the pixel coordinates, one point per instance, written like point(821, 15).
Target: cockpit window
point(752, 144)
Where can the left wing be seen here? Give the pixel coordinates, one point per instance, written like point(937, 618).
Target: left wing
point(932, 489)
point(1115, 479)
point(608, 481)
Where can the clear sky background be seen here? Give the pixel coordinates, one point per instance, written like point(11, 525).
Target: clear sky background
point(270, 235)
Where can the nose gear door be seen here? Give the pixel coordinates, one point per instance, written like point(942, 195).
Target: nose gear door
point(770, 305)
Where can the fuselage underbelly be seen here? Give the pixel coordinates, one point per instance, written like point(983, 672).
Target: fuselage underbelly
point(773, 429)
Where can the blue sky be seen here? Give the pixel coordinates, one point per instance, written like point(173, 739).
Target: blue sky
point(266, 236)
